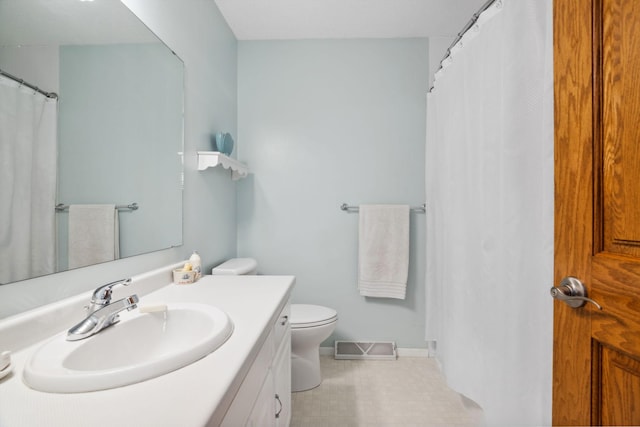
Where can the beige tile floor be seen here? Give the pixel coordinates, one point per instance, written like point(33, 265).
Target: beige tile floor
point(406, 392)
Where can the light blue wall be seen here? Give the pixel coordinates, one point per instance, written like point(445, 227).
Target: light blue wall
point(120, 127)
point(199, 35)
point(322, 123)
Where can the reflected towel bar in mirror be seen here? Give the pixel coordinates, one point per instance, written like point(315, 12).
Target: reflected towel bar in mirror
point(61, 207)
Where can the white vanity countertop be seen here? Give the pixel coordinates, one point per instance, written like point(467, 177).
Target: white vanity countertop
point(195, 395)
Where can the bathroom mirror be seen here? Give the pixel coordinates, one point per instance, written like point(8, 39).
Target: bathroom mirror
point(119, 122)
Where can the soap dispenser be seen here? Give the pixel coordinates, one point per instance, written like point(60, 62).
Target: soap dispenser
point(196, 264)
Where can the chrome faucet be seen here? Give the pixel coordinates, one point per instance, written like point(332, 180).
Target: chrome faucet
point(102, 312)
point(102, 295)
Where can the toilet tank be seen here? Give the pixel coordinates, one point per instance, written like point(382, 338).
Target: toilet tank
point(237, 267)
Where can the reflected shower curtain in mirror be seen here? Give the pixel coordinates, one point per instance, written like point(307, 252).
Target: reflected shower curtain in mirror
point(28, 157)
point(489, 163)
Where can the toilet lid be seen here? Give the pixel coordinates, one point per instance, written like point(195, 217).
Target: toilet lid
point(307, 315)
point(235, 267)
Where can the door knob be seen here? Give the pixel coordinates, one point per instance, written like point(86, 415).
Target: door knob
point(573, 292)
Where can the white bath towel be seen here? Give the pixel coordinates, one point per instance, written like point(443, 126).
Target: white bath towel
point(383, 253)
point(93, 234)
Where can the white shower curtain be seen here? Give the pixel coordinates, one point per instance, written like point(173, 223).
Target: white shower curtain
point(490, 213)
point(28, 161)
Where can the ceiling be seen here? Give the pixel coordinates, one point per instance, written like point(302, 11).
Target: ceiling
point(30, 22)
point(60, 22)
point(321, 19)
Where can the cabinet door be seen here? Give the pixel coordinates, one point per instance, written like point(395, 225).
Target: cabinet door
point(282, 379)
point(262, 414)
point(246, 397)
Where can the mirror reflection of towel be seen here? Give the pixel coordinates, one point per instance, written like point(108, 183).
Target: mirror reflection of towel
point(93, 234)
point(383, 251)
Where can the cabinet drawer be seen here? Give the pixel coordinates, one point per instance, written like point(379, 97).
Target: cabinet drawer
point(282, 325)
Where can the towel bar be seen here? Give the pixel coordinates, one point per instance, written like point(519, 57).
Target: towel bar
point(60, 207)
point(347, 208)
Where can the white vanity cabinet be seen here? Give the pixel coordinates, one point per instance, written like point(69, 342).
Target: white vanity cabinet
point(282, 381)
point(264, 398)
point(236, 385)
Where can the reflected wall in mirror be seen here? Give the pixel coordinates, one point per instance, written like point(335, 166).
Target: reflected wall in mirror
point(113, 137)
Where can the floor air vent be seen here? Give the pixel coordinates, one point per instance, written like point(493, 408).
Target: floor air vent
point(378, 350)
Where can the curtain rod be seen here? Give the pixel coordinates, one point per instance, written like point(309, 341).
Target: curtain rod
point(464, 30)
point(51, 95)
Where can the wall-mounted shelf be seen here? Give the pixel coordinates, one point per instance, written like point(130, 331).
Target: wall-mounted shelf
point(211, 159)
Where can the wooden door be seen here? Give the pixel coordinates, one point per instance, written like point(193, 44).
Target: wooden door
point(596, 363)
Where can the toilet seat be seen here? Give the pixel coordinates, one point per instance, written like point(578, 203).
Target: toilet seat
point(309, 316)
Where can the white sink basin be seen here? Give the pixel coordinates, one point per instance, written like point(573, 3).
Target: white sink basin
point(141, 346)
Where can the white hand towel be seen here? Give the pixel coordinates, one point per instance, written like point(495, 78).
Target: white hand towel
point(93, 234)
point(383, 251)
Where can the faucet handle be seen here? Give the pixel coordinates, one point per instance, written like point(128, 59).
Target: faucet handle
point(102, 295)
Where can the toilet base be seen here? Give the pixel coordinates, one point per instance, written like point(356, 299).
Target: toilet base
point(306, 337)
point(305, 370)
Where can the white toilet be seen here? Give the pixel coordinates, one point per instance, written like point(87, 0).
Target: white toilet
point(310, 325)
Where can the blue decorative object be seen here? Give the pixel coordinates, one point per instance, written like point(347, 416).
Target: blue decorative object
point(228, 144)
point(217, 143)
point(224, 143)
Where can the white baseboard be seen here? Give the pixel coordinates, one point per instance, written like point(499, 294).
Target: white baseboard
point(412, 352)
point(327, 351)
point(402, 352)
